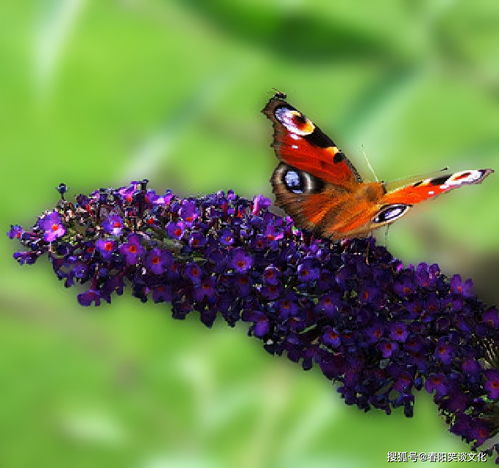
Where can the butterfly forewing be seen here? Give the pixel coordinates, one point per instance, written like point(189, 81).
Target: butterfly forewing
point(301, 144)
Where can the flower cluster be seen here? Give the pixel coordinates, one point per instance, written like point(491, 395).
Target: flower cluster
point(378, 328)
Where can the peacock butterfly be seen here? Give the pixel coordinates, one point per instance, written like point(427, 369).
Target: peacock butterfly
point(322, 191)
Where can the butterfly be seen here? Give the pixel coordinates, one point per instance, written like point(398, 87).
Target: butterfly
point(322, 191)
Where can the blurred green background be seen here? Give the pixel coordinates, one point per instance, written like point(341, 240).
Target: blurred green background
point(96, 93)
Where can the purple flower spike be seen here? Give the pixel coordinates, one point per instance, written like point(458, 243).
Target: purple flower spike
point(52, 225)
point(380, 329)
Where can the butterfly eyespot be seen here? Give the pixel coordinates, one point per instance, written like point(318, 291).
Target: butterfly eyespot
point(294, 182)
point(390, 213)
point(294, 121)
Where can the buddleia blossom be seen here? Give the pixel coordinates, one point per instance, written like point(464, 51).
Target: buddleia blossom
point(379, 329)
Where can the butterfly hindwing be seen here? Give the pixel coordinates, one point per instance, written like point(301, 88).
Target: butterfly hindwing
point(326, 209)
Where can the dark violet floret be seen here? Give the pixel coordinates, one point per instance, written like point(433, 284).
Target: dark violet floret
point(15, 232)
point(193, 272)
point(437, 383)
point(106, 247)
point(241, 260)
point(113, 224)
point(492, 384)
point(271, 275)
point(132, 249)
point(227, 237)
point(52, 226)
point(175, 229)
point(380, 329)
point(156, 261)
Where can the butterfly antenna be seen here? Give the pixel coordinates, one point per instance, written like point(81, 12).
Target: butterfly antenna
point(369, 164)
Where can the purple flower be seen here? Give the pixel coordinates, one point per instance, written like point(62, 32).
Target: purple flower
point(113, 224)
point(458, 286)
point(492, 384)
point(52, 226)
point(331, 337)
point(380, 329)
point(205, 290)
point(387, 348)
point(306, 271)
point(132, 250)
point(491, 318)
point(106, 247)
point(189, 212)
point(197, 240)
point(287, 307)
point(374, 332)
point(405, 285)
point(271, 275)
point(261, 323)
point(193, 272)
point(329, 304)
point(241, 261)
point(260, 203)
point(398, 332)
point(15, 232)
point(156, 261)
point(227, 237)
point(437, 383)
point(444, 351)
point(271, 291)
point(88, 297)
point(175, 229)
point(162, 293)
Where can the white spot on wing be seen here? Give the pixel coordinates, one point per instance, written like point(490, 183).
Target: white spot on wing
point(285, 116)
point(457, 179)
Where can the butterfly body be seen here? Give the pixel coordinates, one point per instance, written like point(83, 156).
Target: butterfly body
point(323, 192)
